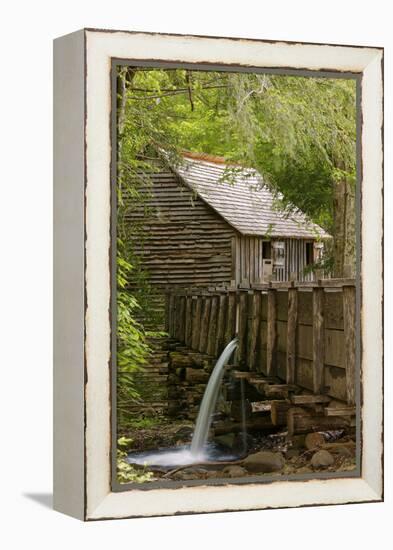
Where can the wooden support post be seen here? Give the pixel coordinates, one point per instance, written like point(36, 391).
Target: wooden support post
point(182, 320)
point(196, 322)
point(301, 421)
point(205, 324)
point(171, 314)
point(176, 317)
point(278, 412)
point(188, 322)
point(291, 334)
point(242, 329)
point(211, 337)
point(349, 309)
point(318, 341)
point(254, 311)
point(271, 345)
point(222, 318)
point(167, 312)
point(231, 318)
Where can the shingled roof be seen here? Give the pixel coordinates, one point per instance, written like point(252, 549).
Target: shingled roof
point(241, 197)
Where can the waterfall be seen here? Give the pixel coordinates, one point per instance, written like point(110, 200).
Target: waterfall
point(209, 401)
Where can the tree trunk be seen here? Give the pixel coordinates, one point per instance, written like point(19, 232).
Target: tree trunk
point(344, 247)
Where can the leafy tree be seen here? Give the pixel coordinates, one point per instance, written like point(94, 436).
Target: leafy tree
point(299, 132)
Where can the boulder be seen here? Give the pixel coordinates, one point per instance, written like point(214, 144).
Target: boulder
point(314, 440)
point(322, 459)
point(264, 462)
point(234, 471)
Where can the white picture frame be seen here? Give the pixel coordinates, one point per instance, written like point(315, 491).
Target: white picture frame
point(82, 336)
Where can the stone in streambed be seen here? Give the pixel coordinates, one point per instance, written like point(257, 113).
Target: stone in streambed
point(234, 471)
point(184, 433)
point(322, 459)
point(264, 462)
point(314, 440)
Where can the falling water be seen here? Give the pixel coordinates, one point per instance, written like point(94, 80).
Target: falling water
point(209, 401)
point(199, 449)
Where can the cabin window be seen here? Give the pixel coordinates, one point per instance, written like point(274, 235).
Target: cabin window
point(266, 250)
point(309, 253)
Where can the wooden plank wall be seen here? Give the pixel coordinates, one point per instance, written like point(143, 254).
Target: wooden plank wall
point(185, 243)
point(247, 265)
point(303, 333)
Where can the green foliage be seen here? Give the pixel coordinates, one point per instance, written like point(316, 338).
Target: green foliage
point(300, 132)
point(143, 423)
point(132, 348)
point(126, 473)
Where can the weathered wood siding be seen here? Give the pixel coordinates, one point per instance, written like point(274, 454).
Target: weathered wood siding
point(302, 334)
point(185, 243)
point(248, 260)
point(295, 262)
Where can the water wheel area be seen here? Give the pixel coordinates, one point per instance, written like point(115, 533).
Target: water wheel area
point(282, 401)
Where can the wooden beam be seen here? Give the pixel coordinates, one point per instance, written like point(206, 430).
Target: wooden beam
point(279, 391)
point(271, 346)
point(278, 412)
point(182, 319)
point(230, 331)
point(309, 399)
point(222, 317)
point(340, 411)
point(176, 317)
point(254, 309)
point(167, 312)
point(211, 337)
point(283, 285)
point(301, 421)
point(291, 334)
point(171, 315)
point(336, 283)
point(349, 309)
point(196, 322)
point(318, 341)
point(242, 329)
point(205, 324)
point(188, 322)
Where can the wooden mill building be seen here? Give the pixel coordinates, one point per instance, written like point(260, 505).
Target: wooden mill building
point(208, 223)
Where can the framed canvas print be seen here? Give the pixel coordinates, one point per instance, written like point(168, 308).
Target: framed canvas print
point(218, 274)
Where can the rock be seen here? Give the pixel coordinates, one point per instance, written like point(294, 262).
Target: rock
point(184, 476)
point(314, 440)
point(264, 462)
point(212, 473)
point(322, 459)
point(185, 432)
point(226, 439)
point(196, 375)
point(234, 471)
point(342, 449)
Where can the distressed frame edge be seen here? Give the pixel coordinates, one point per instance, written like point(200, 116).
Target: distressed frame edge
point(375, 493)
point(69, 490)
